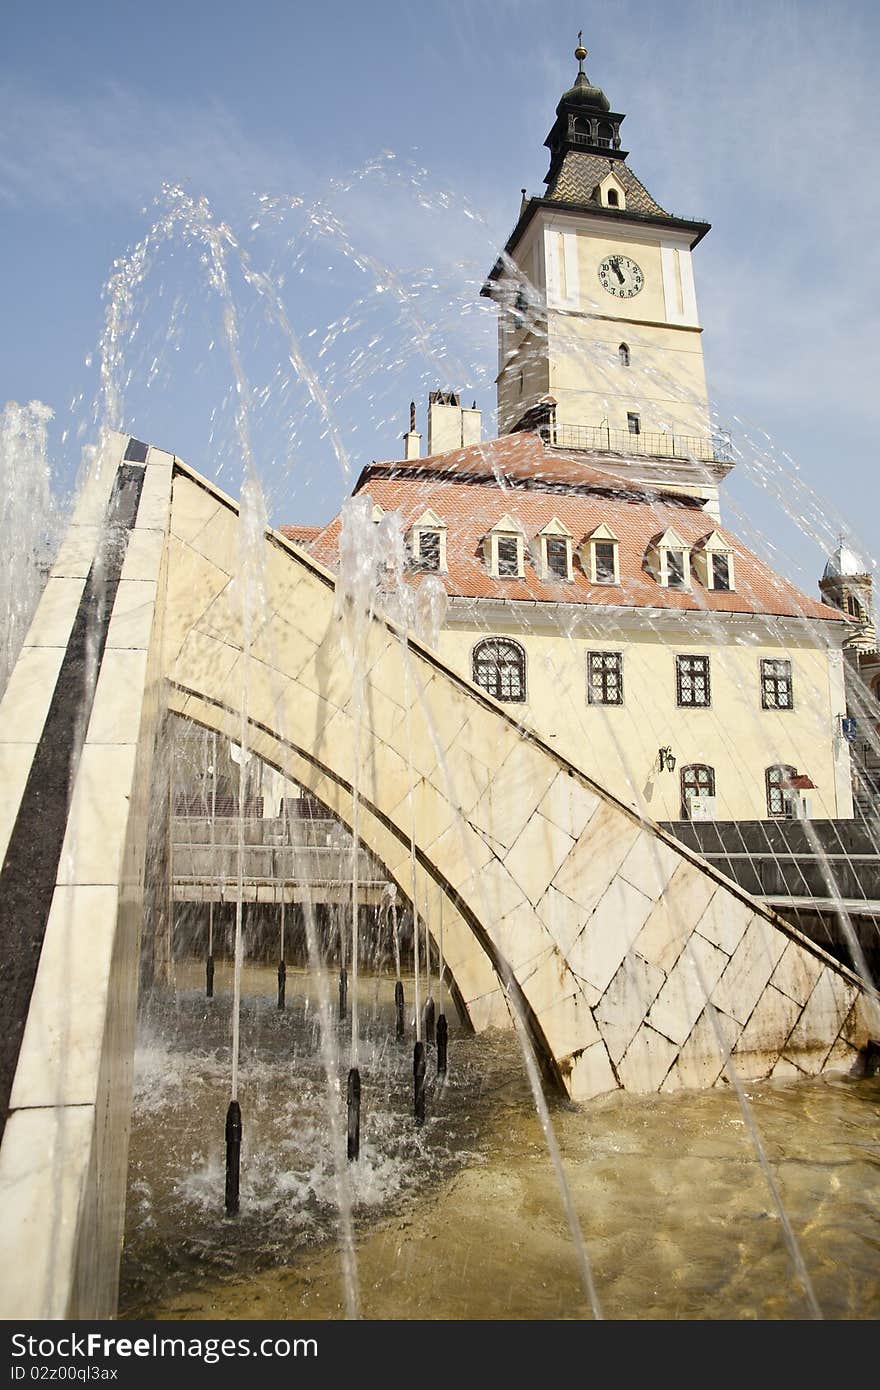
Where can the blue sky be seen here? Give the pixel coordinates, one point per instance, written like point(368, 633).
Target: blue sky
point(411, 128)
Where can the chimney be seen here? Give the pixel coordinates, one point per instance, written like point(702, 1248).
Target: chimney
point(412, 440)
point(449, 425)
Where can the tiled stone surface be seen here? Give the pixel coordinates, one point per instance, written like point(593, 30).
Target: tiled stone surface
point(797, 973)
point(822, 1019)
point(609, 933)
point(661, 940)
point(626, 1002)
point(760, 1042)
point(55, 613)
point(650, 865)
point(702, 1059)
point(646, 1061)
point(44, 1162)
point(597, 856)
point(540, 844)
point(591, 1073)
point(513, 793)
point(724, 922)
point(568, 804)
point(750, 968)
point(28, 694)
point(15, 766)
point(688, 986)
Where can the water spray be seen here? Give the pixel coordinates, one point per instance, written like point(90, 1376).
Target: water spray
point(282, 968)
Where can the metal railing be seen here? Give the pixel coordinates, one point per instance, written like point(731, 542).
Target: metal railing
point(705, 449)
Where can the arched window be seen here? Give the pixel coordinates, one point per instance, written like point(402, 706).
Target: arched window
point(854, 608)
point(698, 779)
point(779, 795)
point(584, 126)
point(500, 669)
point(623, 354)
point(604, 134)
point(613, 198)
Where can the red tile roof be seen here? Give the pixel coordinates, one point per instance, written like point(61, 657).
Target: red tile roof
point(301, 535)
point(470, 490)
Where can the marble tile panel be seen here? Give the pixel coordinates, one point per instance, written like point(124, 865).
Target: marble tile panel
point(568, 1025)
point(701, 1060)
point(597, 856)
point(53, 620)
point(513, 793)
point(674, 917)
point(650, 865)
point(725, 920)
point(625, 1004)
point(154, 509)
point(44, 1173)
point(609, 933)
point(192, 508)
point(143, 555)
point(131, 624)
point(646, 1062)
point(568, 804)
point(536, 855)
point(797, 973)
point(688, 985)
point(60, 1056)
point(28, 694)
point(822, 1020)
point(15, 766)
point(96, 826)
point(75, 554)
point(750, 968)
point(563, 919)
point(119, 697)
point(591, 1073)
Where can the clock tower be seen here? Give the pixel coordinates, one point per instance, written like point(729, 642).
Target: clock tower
point(599, 340)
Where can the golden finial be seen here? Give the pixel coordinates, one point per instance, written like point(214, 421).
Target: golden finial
point(580, 52)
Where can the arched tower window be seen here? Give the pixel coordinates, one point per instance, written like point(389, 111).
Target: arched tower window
point(853, 607)
point(500, 669)
point(698, 779)
point(604, 134)
point(613, 198)
point(779, 793)
point(623, 350)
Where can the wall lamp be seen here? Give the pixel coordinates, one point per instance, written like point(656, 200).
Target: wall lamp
point(667, 759)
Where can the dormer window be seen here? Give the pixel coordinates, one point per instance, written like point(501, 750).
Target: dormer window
point(712, 561)
point(675, 569)
point(553, 558)
point(508, 557)
point(601, 556)
point(428, 542)
point(623, 354)
point(503, 549)
point(721, 573)
point(669, 561)
point(610, 192)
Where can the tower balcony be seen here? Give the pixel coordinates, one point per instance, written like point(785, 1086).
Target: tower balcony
point(714, 448)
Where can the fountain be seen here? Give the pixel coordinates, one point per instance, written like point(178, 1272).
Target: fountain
point(504, 860)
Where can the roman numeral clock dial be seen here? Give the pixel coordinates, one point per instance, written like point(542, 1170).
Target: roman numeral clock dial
point(621, 276)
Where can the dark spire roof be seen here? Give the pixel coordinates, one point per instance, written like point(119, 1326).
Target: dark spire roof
point(583, 93)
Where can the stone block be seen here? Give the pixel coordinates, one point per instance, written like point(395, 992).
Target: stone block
point(650, 864)
point(750, 969)
point(797, 973)
point(646, 1061)
point(513, 793)
point(568, 804)
point(29, 693)
point(625, 1004)
point(537, 854)
point(688, 987)
point(597, 856)
point(590, 1073)
point(725, 920)
point(674, 917)
point(609, 933)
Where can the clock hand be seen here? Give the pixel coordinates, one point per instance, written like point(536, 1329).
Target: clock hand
point(615, 266)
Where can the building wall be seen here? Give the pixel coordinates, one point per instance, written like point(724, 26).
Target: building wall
point(618, 745)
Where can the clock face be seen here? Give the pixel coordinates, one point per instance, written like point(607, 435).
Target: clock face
point(621, 277)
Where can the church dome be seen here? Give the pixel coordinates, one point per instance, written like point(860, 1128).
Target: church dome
point(583, 93)
point(844, 563)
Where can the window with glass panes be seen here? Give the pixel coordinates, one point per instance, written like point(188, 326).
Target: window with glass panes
point(605, 678)
point(557, 557)
point(696, 780)
point(721, 573)
point(604, 552)
point(776, 685)
point(692, 681)
point(508, 556)
point(429, 550)
point(779, 797)
point(675, 569)
point(500, 669)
